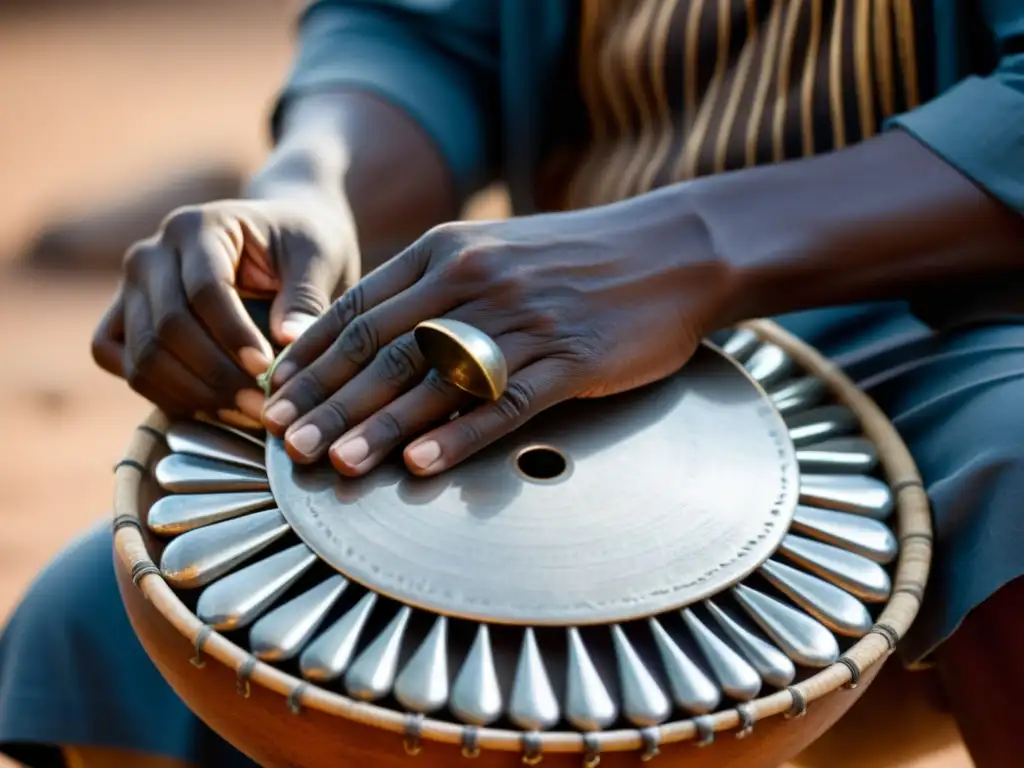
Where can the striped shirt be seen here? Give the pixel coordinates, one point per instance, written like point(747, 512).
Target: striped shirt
point(675, 89)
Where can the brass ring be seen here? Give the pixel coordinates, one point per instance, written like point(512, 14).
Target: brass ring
point(465, 356)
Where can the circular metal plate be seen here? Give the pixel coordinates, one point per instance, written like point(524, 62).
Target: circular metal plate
point(668, 495)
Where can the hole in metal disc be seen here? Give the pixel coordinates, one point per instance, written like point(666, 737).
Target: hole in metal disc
point(541, 462)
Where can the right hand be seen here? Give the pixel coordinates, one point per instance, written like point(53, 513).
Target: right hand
point(177, 330)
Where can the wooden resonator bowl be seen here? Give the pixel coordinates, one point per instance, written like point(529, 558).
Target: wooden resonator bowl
point(704, 572)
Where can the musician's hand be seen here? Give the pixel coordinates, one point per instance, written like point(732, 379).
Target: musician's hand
point(582, 304)
point(177, 330)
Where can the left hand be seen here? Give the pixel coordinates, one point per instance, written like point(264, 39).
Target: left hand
point(582, 304)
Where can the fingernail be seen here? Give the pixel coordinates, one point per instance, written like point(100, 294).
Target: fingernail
point(281, 414)
point(424, 454)
point(283, 372)
point(305, 439)
point(250, 402)
point(295, 324)
point(352, 452)
point(253, 360)
point(236, 419)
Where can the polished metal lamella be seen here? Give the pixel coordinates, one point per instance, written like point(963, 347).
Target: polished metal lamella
point(422, 686)
point(186, 473)
point(220, 516)
point(533, 705)
point(864, 536)
point(198, 439)
point(240, 597)
point(198, 557)
point(476, 692)
point(372, 674)
point(774, 667)
point(283, 632)
point(736, 677)
point(329, 655)
point(174, 515)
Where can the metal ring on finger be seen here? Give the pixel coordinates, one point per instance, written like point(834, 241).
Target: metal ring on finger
point(465, 356)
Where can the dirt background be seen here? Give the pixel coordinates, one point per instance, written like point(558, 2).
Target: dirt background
point(102, 99)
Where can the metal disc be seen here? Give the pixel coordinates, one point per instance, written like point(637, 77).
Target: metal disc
point(669, 495)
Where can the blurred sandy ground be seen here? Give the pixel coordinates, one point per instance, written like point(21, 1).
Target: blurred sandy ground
point(100, 98)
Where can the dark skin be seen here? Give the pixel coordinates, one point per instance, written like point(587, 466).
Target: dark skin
point(177, 331)
point(583, 304)
point(597, 301)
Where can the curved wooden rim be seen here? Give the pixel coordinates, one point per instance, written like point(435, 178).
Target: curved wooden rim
point(914, 531)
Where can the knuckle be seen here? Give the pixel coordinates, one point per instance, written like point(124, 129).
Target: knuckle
point(348, 307)
point(515, 401)
point(307, 389)
point(401, 361)
point(334, 415)
point(359, 342)
point(170, 326)
point(469, 432)
point(476, 263)
point(388, 428)
point(138, 258)
point(182, 223)
point(545, 321)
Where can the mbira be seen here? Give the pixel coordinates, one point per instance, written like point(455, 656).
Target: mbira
point(723, 559)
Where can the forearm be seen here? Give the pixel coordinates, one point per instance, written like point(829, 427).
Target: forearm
point(867, 223)
point(369, 156)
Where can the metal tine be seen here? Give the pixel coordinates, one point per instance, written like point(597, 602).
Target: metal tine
point(180, 513)
point(284, 631)
point(643, 701)
point(196, 558)
point(857, 575)
point(422, 686)
point(801, 637)
point(741, 344)
point(857, 494)
point(822, 423)
point(797, 395)
point(835, 608)
point(328, 656)
point(773, 665)
point(242, 596)
point(871, 538)
point(692, 690)
point(841, 455)
point(533, 705)
point(738, 679)
point(199, 439)
point(588, 705)
point(769, 365)
point(476, 693)
point(184, 473)
point(372, 674)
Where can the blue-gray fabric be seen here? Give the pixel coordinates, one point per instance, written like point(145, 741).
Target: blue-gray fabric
point(72, 671)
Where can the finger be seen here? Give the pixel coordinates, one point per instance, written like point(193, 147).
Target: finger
point(357, 345)
point(426, 405)
point(180, 334)
point(152, 372)
point(307, 284)
point(531, 391)
point(390, 417)
point(208, 262)
point(387, 281)
point(398, 367)
point(108, 340)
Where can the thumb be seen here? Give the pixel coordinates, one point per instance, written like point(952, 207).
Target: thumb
point(307, 286)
